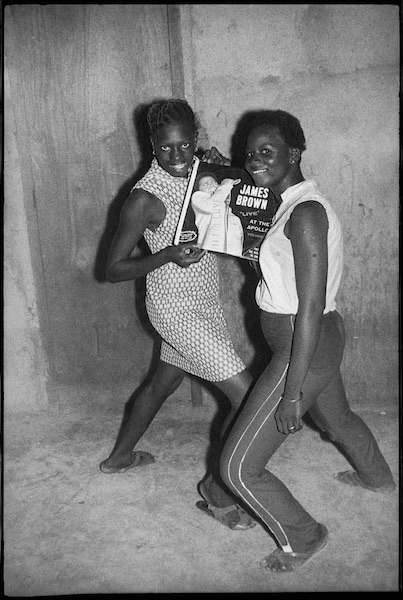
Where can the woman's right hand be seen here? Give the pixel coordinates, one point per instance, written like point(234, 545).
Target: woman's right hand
point(184, 255)
point(214, 156)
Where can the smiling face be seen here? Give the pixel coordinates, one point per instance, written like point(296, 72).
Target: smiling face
point(174, 147)
point(270, 161)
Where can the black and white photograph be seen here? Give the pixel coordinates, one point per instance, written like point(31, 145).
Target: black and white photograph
point(201, 325)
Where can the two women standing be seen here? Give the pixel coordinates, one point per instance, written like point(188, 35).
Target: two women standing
point(301, 261)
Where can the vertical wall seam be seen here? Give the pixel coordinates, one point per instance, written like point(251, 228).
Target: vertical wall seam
point(175, 50)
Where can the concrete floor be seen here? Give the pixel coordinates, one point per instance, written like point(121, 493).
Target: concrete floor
point(69, 529)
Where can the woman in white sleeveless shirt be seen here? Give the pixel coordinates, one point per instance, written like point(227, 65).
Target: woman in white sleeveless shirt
point(301, 264)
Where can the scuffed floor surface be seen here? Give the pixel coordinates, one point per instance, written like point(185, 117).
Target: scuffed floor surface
point(69, 529)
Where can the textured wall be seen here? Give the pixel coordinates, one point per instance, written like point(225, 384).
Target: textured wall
point(336, 67)
point(74, 84)
point(25, 362)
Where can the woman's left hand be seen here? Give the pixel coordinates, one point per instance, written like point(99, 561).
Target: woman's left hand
point(288, 416)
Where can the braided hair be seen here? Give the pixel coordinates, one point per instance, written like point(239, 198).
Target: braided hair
point(165, 112)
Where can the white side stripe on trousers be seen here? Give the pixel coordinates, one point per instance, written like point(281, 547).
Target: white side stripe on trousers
point(287, 547)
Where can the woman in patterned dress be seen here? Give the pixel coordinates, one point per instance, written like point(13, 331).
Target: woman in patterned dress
point(182, 299)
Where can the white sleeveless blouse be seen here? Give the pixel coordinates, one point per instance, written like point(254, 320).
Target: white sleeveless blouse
point(276, 291)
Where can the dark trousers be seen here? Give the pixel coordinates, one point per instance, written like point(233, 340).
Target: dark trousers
point(254, 438)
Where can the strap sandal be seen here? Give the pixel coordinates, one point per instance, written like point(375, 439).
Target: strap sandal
point(140, 459)
point(352, 478)
point(287, 562)
point(233, 517)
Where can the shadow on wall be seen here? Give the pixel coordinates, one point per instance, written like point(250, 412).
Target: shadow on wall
point(112, 219)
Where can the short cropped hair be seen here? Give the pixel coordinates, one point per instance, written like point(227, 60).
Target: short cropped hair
point(173, 111)
point(286, 124)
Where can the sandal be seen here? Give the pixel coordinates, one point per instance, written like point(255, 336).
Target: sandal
point(232, 516)
point(352, 478)
point(140, 459)
point(286, 562)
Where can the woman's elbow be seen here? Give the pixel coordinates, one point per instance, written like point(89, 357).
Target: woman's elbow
point(110, 274)
point(313, 308)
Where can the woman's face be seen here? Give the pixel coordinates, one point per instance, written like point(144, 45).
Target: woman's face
point(268, 159)
point(174, 147)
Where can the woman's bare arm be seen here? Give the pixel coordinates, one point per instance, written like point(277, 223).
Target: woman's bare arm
point(142, 211)
point(307, 230)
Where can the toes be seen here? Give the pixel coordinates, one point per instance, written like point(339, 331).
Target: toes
point(273, 563)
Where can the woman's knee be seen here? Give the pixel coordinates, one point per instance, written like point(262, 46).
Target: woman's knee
point(237, 475)
point(228, 469)
point(337, 427)
point(166, 380)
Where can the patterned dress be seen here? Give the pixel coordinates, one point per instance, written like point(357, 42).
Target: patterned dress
point(183, 303)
